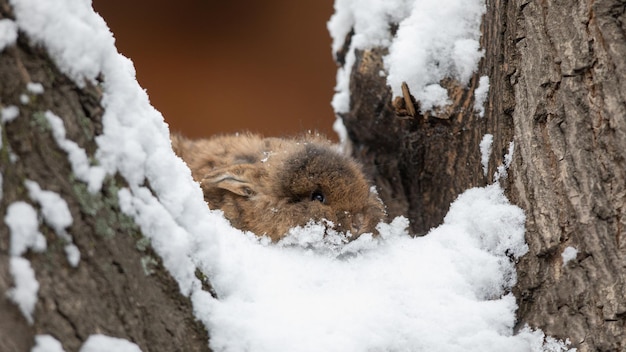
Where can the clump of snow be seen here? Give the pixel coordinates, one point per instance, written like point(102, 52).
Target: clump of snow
point(538, 341)
point(9, 113)
point(57, 215)
point(569, 254)
point(73, 254)
point(342, 132)
point(92, 175)
point(446, 291)
point(103, 343)
point(435, 39)
point(21, 218)
point(485, 152)
point(34, 87)
point(8, 33)
point(47, 343)
point(89, 35)
point(502, 171)
point(24, 294)
point(480, 95)
point(53, 208)
point(23, 225)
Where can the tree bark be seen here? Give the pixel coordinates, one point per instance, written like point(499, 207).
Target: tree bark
point(558, 90)
point(119, 288)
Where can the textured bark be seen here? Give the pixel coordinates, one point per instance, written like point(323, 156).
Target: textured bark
point(414, 160)
point(119, 288)
point(570, 172)
point(558, 90)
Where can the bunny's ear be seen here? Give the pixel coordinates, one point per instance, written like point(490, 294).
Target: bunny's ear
point(242, 179)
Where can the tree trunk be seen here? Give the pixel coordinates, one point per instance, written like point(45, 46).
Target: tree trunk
point(119, 288)
point(557, 74)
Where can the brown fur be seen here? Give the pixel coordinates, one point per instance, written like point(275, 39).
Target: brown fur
point(269, 185)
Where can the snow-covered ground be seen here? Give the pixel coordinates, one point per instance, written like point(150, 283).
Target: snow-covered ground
point(446, 291)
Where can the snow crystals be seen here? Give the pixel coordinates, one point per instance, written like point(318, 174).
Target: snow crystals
point(103, 343)
point(569, 254)
point(57, 215)
point(8, 33)
point(434, 39)
point(92, 175)
point(485, 152)
point(47, 343)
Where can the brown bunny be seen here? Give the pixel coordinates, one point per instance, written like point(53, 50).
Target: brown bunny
point(269, 185)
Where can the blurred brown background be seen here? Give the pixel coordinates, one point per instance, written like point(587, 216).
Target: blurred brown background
point(216, 66)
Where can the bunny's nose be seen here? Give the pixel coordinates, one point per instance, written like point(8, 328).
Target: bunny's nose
point(357, 224)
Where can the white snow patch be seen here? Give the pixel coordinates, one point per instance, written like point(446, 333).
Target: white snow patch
point(57, 215)
point(8, 33)
point(24, 294)
point(47, 343)
point(35, 88)
point(502, 171)
point(435, 39)
point(342, 133)
point(103, 343)
point(480, 95)
point(569, 254)
point(485, 152)
point(24, 99)
point(73, 254)
point(1, 178)
point(21, 218)
point(370, 21)
point(93, 176)
point(57, 23)
point(539, 342)
point(53, 208)
point(395, 292)
point(9, 113)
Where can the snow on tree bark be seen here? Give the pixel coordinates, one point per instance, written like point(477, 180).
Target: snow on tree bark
point(119, 287)
point(557, 89)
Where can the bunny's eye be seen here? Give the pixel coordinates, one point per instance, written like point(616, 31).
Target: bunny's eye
point(318, 196)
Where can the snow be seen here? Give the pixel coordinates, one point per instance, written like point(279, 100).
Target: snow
point(480, 95)
point(57, 215)
point(47, 343)
point(103, 343)
point(485, 152)
point(24, 294)
point(21, 218)
point(502, 172)
point(446, 291)
point(435, 39)
point(53, 208)
point(92, 175)
point(342, 132)
point(8, 33)
point(438, 292)
point(9, 113)
point(56, 23)
point(569, 254)
point(35, 88)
